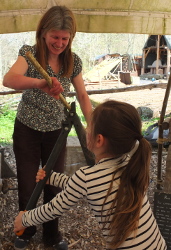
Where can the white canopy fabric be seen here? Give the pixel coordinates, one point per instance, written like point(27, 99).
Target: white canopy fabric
point(95, 16)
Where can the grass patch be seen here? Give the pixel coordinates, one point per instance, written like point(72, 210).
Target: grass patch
point(79, 113)
point(7, 117)
point(147, 123)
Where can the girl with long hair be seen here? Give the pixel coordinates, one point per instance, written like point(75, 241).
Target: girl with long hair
point(115, 187)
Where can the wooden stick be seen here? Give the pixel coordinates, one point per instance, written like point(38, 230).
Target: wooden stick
point(160, 136)
point(45, 76)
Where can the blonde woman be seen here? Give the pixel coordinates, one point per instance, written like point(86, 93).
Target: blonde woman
point(40, 112)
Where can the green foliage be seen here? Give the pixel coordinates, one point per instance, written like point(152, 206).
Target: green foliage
point(79, 113)
point(147, 123)
point(7, 117)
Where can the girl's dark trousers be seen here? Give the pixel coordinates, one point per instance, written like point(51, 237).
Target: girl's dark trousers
point(32, 148)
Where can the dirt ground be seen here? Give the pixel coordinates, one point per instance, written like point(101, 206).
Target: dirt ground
point(152, 99)
point(78, 225)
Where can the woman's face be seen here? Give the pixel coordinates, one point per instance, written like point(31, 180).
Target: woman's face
point(57, 41)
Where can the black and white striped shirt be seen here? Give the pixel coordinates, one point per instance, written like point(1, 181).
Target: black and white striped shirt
point(93, 183)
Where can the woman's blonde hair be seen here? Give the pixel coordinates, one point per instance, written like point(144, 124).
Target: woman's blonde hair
point(56, 18)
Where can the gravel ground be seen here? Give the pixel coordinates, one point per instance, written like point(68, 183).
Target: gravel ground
point(78, 225)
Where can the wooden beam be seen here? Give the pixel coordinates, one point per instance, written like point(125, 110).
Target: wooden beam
point(168, 63)
point(158, 54)
point(105, 91)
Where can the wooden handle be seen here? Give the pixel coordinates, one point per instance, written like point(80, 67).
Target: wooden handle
point(45, 76)
point(19, 233)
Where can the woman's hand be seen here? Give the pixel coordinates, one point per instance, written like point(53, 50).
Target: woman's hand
point(18, 222)
point(56, 88)
point(41, 175)
point(54, 91)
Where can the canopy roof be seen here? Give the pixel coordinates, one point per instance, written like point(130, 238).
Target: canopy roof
point(95, 16)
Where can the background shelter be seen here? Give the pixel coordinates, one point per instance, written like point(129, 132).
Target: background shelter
point(156, 55)
point(95, 16)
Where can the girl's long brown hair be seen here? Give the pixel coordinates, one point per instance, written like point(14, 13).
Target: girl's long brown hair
point(56, 18)
point(120, 123)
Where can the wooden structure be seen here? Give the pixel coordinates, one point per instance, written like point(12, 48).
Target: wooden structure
point(135, 16)
point(113, 67)
point(156, 55)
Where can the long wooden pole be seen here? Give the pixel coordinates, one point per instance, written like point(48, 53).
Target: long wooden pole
point(160, 137)
point(45, 76)
point(158, 54)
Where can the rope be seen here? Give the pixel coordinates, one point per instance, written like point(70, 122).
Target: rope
point(163, 140)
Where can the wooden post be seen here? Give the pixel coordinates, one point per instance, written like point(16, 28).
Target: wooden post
point(143, 63)
point(158, 54)
point(168, 63)
point(167, 180)
point(160, 137)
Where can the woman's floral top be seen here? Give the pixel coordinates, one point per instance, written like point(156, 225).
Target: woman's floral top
point(37, 109)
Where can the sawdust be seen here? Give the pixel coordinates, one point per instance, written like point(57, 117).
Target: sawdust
point(78, 225)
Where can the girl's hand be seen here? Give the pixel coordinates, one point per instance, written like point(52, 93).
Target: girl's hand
point(40, 175)
point(18, 222)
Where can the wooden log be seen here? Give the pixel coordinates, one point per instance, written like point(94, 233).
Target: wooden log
point(126, 89)
point(106, 91)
